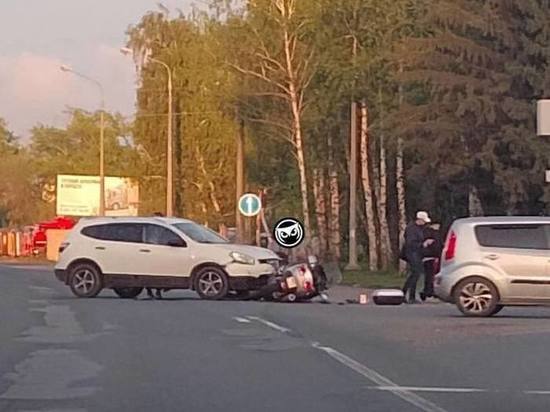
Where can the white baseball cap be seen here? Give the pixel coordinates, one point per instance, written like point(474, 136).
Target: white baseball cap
point(423, 216)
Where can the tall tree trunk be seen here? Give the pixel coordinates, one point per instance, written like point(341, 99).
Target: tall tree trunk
point(367, 188)
point(475, 207)
point(239, 219)
point(401, 206)
point(296, 99)
point(400, 186)
point(386, 253)
point(303, 178)
point(374, 168)
point(320, 208)
point(208, 180)
point(334, 189)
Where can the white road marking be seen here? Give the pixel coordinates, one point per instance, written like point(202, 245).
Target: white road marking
point(270, 324)
point(427, 389)
point(241, 320)
point(380, 380)
point(406, 393)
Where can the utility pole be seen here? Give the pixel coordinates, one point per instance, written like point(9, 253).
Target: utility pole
point(169, 147)
point(259, 221)
point(102, 161)
point(352, 262)
point(239, 221)
point(99, 86)
point(169, 137)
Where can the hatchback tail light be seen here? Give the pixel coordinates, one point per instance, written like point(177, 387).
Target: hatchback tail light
point(450, 247)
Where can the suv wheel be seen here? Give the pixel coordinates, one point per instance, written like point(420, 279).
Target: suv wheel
point(128, 293)
point(211, 283)
point(477, 297)
point(85, 281)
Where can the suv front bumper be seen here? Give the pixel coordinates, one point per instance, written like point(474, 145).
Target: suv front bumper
point(243, 283)
point(256, 270)
point(249, 277)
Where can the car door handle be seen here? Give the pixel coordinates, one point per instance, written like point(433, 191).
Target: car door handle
point(100, 247)
point(492, 257)
point(145, 250)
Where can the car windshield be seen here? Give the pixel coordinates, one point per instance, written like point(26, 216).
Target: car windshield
point(200, 233)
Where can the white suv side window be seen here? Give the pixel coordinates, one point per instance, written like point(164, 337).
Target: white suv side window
point(161, 236)
point(127, 232)
point(116, 232)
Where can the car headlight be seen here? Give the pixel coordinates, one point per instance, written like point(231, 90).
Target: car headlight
point(242, 258)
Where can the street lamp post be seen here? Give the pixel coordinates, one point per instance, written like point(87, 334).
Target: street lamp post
point(169, 143)
point(101, 135)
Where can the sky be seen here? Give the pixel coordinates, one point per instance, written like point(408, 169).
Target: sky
point(37, 36)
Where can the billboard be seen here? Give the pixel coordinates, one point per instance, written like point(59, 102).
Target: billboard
point(79, 196)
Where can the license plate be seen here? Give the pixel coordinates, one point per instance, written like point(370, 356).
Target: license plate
point(291, 283)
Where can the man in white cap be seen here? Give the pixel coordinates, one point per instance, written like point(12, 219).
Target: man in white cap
point(413, 248)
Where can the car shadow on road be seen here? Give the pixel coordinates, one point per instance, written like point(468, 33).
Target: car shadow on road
point(496, 317)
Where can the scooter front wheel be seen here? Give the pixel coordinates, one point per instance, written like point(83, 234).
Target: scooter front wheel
point(291, 297)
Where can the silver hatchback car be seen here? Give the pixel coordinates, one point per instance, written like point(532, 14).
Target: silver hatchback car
point(492, 262)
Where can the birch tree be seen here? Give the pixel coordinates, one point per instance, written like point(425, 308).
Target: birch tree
point(281, 60)
point(386, 252)
point(334, 194)
point(367, 188)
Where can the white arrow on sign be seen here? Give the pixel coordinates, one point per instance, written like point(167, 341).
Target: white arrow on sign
point(250, 204)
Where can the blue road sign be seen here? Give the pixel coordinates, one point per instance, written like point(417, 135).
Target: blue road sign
point(250, 204)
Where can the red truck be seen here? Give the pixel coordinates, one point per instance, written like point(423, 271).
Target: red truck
point(39, 238)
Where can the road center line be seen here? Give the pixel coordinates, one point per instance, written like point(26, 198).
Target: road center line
point(427, 389)
point(241, 320)
point(380, 380)
point(270, 324)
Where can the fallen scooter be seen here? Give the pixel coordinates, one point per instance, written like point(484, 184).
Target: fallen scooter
point(294, 283)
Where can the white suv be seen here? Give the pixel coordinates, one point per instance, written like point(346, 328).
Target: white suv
point(128, 254)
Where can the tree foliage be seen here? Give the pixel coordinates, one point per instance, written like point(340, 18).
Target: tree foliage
point(482, 66)
point(456, 81)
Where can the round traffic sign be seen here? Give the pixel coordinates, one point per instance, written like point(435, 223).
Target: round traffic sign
point(250, 204)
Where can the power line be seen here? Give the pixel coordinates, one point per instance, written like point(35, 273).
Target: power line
point(174, 114)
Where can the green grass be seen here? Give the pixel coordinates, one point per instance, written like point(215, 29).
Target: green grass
point(373, 280)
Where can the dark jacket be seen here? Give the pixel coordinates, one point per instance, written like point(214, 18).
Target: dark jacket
point(435, 249)
point(412, 247)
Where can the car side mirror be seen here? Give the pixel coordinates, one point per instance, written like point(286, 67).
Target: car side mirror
point(177, 243)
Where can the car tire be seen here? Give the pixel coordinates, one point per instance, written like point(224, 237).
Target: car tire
point(476, 297)
point(498, 308)
point(211, 283)
point(85, 280)
point(128, 293)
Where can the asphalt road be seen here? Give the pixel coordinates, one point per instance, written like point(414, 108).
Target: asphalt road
point(59, 353)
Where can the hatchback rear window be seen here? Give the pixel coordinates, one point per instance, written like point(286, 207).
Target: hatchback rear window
point(512, 236)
